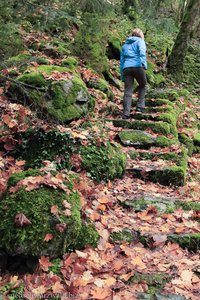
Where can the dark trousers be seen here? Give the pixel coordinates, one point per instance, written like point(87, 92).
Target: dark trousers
point(129, 75)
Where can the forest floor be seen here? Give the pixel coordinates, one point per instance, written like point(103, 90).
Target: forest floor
point(137, 256)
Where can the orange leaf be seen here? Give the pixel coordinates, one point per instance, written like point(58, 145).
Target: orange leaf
point(54, 209)
point(20, 163)
point(57, 288)
point(101, 293)
point(110, 281)
point(48, 237)
point(45, 263)
point(186, 276)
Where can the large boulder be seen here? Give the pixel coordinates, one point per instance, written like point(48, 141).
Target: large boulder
point(54, 90)
point(40, 215)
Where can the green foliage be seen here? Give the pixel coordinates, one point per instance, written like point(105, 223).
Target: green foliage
point(90, 42)
point(38, 145)
point(10, 41)
point(103, 162)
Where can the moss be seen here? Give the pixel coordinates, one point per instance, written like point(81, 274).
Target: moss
point(169, 118)
point(14, 178)
point(124, 235)
point(190, 241)
point(103, 162)
point(173, 175)
point(163, 109)
point(188, 205)
point(33, 78)
point(88, 236)
point(163, 141)
point(136, 138)
point(49, 69)
point(36, 206)
point(183, 138)
point(71, 113)
point(196, 139)
point(152, 78)
point(17, 60)
point(138, 205)
point(102, 85)
point(155, 281)
point(42, 61)
point(149, 155)
point(157, 127)
point(159, 102)
point(168, 94)
point(70, 62)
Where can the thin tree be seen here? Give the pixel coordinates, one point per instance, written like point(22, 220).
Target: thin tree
point(188, 29)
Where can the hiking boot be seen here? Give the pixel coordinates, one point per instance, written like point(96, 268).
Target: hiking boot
point(125, 117)
point(140, 109)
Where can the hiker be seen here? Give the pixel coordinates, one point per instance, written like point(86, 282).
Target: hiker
point(132, 66)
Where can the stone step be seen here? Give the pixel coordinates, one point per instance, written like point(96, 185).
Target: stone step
point(159, 171)
point(144, 140)
point(155, 126)
point(157, 102)
point(163, 205)
point(170, 118)
point(189, 241)
point(174, 156)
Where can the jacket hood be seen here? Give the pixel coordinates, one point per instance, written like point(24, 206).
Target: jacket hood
point(132, 39)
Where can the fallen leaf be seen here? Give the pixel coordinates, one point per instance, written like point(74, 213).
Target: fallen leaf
point(48, 237)
point(54, 209)
point(186, 276)
point(57, 288)
point(101, 293)
point(45, 263)
point(21, 220)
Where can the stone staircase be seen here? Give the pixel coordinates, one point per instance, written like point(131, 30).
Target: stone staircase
point(151, 142)
point(155, 154)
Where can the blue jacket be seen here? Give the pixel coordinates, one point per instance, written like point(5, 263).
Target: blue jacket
point(133, 54)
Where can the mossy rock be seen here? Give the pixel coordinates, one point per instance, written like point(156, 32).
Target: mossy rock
point(70, 62)
point(170, 94)
point(189, 144)
point(196, 139)
point(21, 58)
point(151, 155)
point(103, 162)
point(114, 46)
point(173, 175)
point(124, 235)
point(189, 241)
point(166, 117)
point(163, 205)
point(154, 79)
point(29, 239)
point(157, 127)
point(136, 138)
point(102, 85)
point(63, 100)
point(163, 103)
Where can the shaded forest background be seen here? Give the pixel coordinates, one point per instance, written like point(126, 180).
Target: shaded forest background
point(96, 29)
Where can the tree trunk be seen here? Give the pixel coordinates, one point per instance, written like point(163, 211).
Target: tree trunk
point(189, 23)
